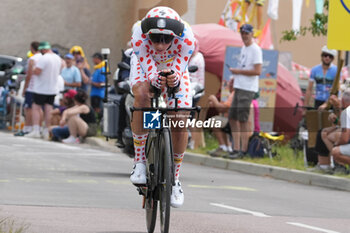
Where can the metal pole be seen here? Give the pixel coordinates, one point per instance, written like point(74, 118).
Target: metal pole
point(105, 52)
point(106, 78)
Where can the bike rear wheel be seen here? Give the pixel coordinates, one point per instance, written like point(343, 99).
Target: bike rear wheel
point(151, 213)
point(166, 180)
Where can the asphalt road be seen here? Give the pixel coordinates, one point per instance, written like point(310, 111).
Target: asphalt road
point(51, 187)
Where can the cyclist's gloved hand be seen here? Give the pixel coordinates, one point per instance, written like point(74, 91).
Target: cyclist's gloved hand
point(173, 80)
point(158, 81)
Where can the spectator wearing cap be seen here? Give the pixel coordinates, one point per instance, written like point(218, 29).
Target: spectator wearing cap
point(45, 88)
point(78, 53)
point(58, 133)
point(80, 119)
point(83, 66)
point(71, 74)
point(246, 85)
point(97, 84)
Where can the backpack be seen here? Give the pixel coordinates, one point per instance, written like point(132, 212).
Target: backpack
point(256, 146)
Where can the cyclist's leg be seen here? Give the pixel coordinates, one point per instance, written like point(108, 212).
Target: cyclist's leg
point(140, 88)
point(180, 136)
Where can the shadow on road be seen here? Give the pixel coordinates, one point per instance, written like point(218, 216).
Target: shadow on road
point(95, 174)
point(122, 232)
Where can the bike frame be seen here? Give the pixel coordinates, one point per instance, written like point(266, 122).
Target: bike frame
point(158, 166)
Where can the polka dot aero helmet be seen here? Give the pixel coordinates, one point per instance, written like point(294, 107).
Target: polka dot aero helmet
point(162, 20)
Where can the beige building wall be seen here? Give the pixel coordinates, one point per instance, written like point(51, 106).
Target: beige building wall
point(89, 23)
point(92, 24)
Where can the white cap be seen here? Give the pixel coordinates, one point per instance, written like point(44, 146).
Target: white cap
point(332, 52)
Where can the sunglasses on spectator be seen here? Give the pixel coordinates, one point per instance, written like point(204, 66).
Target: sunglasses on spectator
point(327, 55)
point(76, 52)
point(160, 38)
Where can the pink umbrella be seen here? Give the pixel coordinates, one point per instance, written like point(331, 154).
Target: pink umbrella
point(213, 39)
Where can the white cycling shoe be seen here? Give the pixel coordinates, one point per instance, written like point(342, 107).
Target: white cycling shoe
point(177, 196)
point(138, 174)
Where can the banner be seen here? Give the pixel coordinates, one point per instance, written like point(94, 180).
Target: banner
point(338, 19)
point(267, 83)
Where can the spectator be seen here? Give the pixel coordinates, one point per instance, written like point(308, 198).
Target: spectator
point(341, 150)
point(28, 88)
point(58, 133)
point(78, 53)
point(85, 74)
point(327, 137)
point(221, 134)
point(45, 88)
point(65, 102)
point(322, 75)
point(246, 85)
point(71, 74)
point(256, 112)
point(80, 119)
point(197, 59)
point(98, 84)
point(83, 66)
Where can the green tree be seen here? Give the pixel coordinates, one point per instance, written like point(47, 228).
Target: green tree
point(317, 27)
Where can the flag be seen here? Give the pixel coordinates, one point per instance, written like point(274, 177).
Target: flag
point(338, 35)
point(265, 38)
point(231, 15)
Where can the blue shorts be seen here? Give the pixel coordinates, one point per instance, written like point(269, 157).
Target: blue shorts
point(28, 99)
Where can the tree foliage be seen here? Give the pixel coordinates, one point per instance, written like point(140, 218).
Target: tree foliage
point(317, 27)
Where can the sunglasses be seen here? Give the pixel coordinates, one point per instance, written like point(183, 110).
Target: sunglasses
point(327, 55)
point(160, 38)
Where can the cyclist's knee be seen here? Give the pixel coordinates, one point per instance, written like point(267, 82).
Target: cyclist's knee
point(141, 94)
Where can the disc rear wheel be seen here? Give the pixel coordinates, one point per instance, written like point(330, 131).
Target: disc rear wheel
point(151, 213)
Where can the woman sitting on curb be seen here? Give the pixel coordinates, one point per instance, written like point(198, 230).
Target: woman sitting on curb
point(80, 119)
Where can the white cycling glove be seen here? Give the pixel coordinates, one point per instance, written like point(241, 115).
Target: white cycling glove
point(156, 82)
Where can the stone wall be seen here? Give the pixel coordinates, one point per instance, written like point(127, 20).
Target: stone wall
point(89, 23)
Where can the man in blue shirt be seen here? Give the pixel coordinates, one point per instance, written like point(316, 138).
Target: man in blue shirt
point(71, 74)
point(322, 75)
point(97, 84)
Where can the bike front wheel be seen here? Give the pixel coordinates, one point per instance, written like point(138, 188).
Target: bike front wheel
point(166, 180)
point(151, 202)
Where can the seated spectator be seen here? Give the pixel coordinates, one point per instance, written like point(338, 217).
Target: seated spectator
point(58, 133)
point(71, 74)
point(80, 119)
point(328, 136)
point(341, 150)
point(221, 134)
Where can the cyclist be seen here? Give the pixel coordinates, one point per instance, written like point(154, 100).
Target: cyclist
point(161, 42)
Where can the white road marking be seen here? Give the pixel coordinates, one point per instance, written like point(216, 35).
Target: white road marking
point(222, 187)
point(254, 213)
point(311, 227)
